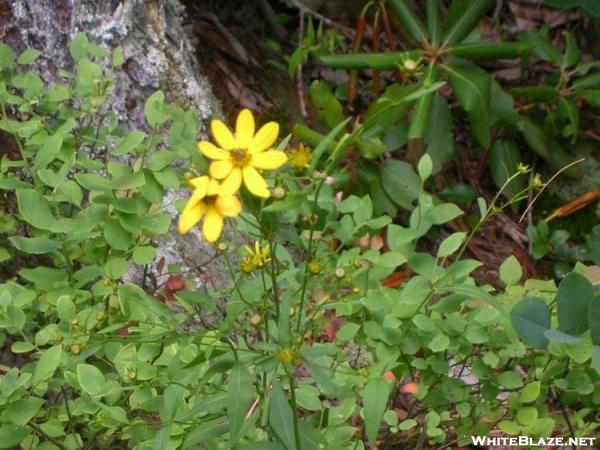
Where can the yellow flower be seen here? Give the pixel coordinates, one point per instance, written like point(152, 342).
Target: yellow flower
point(238, 156)
point(208, 201)
point(260, 255)
point(314, 267)
point(300, 157)
point(287, 355)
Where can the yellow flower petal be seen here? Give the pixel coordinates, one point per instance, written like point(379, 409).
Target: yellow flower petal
point(200, 184)
point(244, 128)
point(220, 169)
point(190, 216)
point(212, 151)
point(213, 225)
point(222, 135)
point(232, 183)
point(265, 138)
point(255, 182)
point(228, 206)
point(213, 187)
point(271, 159)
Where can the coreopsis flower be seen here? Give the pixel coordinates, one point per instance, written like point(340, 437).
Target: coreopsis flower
point(238, 156)
point(208, 202)
point(257, 258)
point(300, 157)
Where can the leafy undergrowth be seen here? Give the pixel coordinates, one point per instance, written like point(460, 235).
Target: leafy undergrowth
point(352, 317)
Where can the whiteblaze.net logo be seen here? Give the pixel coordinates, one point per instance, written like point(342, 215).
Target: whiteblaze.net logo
point(486, 441)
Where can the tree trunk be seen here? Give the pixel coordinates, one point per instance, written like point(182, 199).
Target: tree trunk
point(157, 55)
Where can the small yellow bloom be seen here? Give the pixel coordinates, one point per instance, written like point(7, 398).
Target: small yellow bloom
point(537, 182)
point(314, 267)
point(237, 157)
point(260, 255)
point(300, 157)
point(287, 355)
point(208, 201)
point(247, 265)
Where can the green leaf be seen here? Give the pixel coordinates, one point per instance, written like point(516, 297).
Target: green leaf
point(91, 380)
point(451, 244)
point(472, 87)
point(400, 182)
point(594, 318)
point(543, 49)
point(48, 151)
point(35, 209)
point(504, 160)
point(409, 20)
point(375, 396)
point(78, 47)
point(21, 347)
point(93, 182)
point(329, 108)
point(433, 21)
point(65, 308)
point(510, 380)
point(7, 56)
point(144, 255)
point(511, 271)
point(281, 417)
point(530, 392)
point(469, 19)
point(117, 57)
point(129, 143)
point(240, 394)
point(443, 213)
point(546, 147)
point(571, 55)
point(438, 134)
point(574, 295)
point(325, 143)
point(34, 245)
point(425, 167)
point(22, 411)
point(378, 61)
point(530, 318)
point(482, 51)
point(28, 56)
point(47, 364)
point(116, 236)
point(155, 110)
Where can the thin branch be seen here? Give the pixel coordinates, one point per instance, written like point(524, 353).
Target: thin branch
point(546, 184)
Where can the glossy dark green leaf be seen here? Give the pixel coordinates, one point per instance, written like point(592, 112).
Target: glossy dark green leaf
point(536, 93)
point(571, 55)
point(379, 61)
point(434, 25)
point(505, 156)
point(438, 135)
point(472, 88)
point(587, 82)
point(468, 20)
point(546, 147)
point(531, 318)
point(420, 117)
point(542, 47)
point(491, 50)
point(409, 20)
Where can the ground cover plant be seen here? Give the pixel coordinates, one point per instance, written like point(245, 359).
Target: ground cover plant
point(352, 316)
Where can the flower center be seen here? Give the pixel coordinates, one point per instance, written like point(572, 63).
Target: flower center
point(240, 157)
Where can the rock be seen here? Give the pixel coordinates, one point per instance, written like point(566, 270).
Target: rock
point(157, 55)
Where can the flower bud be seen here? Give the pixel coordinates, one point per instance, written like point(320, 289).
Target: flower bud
point(75, 349)
point(410, 64)
point(278, 192)
point(340, 272)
